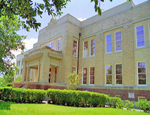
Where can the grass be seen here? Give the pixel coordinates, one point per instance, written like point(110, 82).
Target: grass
point(9, 108)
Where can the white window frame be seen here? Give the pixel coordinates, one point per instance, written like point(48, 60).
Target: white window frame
point(91, 47)
point(86, 76)
point(106, 76)
point(87, 48)
point(58, 44)
point(138, 74)
point(136, 35)
point(117, 41)
point(117, 74)
point(109, 43)
point(90, 75)
point(77, 49)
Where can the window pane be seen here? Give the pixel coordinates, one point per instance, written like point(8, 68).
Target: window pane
point(109, 79)
point(86, 49)
point(74, 48)
point(52, 45)
point(118, 79)
point(91, 79)
point(92, 71)
point(140, 36)
point(59, 42)
point(118, 36)
point(109, 48)
point(141, 65)
point(93, 51)
point(109, 38)
point(139, 28)
point(118, 46)
point(142, 78)
point(109, 69)
point(84, 75)
point(141, 70)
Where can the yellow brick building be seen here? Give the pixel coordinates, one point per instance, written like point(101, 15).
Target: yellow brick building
point(114, 53)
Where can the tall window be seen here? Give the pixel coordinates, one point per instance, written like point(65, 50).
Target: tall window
point(51, 45)
point(92, 47)
point(109, 74)
point(142, 73)
point(119, 74)
point(59, 45)
point(74, 48)
point(84, 76)
point(55, 75)
point(118, 41)
point(109, 43)
point(85, 50)
point(140, 36)
point(92, 74)
point(21, 71)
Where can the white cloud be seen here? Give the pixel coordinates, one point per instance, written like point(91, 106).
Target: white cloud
point(28, 45)
point(81, 19)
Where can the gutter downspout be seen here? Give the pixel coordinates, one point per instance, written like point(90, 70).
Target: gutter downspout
point(78, 53)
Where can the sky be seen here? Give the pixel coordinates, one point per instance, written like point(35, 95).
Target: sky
point(81, 9)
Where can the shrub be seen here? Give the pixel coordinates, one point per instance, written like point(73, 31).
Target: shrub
point(77, 98)
point(129, 105)
point(116, 102)
point(1, 91)
point(23, 95)
point(143, 104)
point(74, 80)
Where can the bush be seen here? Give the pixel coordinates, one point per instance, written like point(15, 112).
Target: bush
point(1, 91)
point(129, 105)
point(23, 95)
point(143, 104)
point(116, 102)
point(77, 98)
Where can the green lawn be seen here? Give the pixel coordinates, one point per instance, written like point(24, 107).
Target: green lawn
point(7, 108)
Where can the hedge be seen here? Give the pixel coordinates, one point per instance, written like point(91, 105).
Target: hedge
point(23, 95)
point(77, 98)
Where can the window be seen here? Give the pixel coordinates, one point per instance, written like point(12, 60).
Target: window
point(85, 49)
point(109, 74)
point(109, 43)
point(17, 72)
point(142, 73)
point(59, 45)
point(18, 63)
point(55, 75)
point(118, 41)
point(75, 48)
point(92, 72)
point(140, 36)
point(22, 62)
point(51, 45)
point(84, 76)
point(74, 69)
point(93, 47)
point(119, 74)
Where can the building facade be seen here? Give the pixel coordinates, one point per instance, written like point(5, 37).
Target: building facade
point(114, 53)
point(19, 65)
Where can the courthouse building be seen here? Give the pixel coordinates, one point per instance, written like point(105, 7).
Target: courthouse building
point(112, 50)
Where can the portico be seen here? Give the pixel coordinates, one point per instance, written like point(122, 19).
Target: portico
point(42, 65)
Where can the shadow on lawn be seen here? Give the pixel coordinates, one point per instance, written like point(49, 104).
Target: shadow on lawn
point(5, 105)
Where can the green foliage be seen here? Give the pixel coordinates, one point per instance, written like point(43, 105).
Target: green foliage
point(18, 79)
point(23, 95)
point(116, 102)
point(9, 77)
point(129, 105)
point(74, 80)
point(77, 98)
point(143, 104)
point(2, 82)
